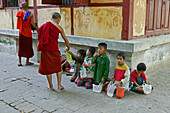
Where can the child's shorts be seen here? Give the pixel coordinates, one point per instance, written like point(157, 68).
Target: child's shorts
point(133, 88)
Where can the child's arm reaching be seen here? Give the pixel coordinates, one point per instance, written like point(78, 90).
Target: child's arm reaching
point(72, 54)
point(145, 79)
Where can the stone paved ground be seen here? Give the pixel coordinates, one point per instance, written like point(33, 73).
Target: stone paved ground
point(29, 93)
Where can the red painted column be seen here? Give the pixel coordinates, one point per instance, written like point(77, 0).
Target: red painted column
point(72, 21)
point(127, 28)
point(35, 11)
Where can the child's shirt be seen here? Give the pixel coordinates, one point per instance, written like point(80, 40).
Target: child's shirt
point(89, 71)
point(77, 66)
point(79, 60)
point(135, 75)
point(122, 74)
point(101, 68)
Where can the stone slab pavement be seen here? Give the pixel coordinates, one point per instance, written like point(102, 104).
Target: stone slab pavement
point(28, 92)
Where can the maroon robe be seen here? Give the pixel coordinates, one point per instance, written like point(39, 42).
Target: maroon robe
point(50, 62)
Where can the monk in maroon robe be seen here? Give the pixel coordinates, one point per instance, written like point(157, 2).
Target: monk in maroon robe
point(24, 20)
point(50, 62)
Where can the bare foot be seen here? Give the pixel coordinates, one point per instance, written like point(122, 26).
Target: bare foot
point(29, 63)
point(51, 88)
point(19, 64)
point(60, 87)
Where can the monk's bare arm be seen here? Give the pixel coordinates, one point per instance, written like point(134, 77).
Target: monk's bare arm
point(32, 21)
point(65, 38)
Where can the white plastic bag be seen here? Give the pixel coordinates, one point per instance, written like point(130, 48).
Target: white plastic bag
point(110, 89)
point(97, 88)
point(72, 70)
point(147, 89)
point(83, 73)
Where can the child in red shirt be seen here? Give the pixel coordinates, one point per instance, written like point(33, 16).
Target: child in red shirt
point(121, 75)
point(138, 78)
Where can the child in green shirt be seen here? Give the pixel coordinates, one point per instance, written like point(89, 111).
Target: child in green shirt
point(101, 64)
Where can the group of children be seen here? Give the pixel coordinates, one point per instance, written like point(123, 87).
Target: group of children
point(90, 69)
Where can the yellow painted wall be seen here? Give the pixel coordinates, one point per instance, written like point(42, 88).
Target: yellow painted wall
point(5, 19)
point(44, 15)
point(104, 22)
point(66, 20)
point(106, 1)
point(139, 17)
point(15, 18)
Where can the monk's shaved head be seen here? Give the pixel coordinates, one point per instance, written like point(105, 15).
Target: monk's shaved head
point(56, 16)
point(24, 5)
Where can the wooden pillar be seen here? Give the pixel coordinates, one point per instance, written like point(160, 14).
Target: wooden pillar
point(72, 21)
point(35, 11)
point(127, 28)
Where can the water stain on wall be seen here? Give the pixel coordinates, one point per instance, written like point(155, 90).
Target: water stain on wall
point(102, 22)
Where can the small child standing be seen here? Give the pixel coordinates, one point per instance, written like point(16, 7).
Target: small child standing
point(87, 79)
point(81, 53)
point(137, 78)
point(101, 64)
point(121, 76)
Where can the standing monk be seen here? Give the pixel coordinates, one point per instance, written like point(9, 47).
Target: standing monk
point(24, 21)
point(50, 62)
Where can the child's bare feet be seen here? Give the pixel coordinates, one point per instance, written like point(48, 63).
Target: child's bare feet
point(60, 87)
point(29, 63)
point(73, 78)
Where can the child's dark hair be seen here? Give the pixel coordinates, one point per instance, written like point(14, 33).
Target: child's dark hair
point(92, 50)
point(121, 54)
point(103, 44)
point(82, 52)
point(141, 67)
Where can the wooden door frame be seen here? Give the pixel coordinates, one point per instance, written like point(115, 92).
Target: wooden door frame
point(162, 29)
point(127, 26)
